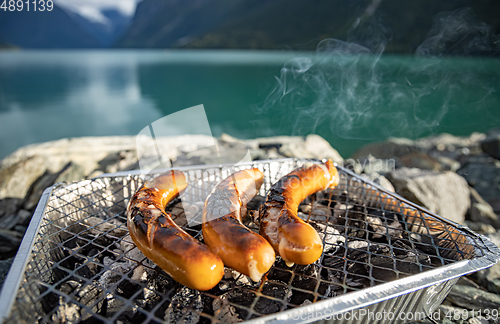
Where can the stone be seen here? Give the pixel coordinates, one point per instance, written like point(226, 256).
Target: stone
point(392, 147)
point(17, 178)
point(480, 211)
point(4, 268)
point(491, 144)
point(483, 174)
point(489, 278)
point(9, 242)
point(480, 228)
point(379, 180)
point(420, 160)
point(444, 193)
point(473, 298)
point(70, 172)
point(20, 169)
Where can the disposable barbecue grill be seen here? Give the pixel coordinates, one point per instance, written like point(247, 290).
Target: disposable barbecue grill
point(78, 264)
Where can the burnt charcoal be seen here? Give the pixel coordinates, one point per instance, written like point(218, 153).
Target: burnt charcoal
point(83, 271)
point(240, 297)
point(131, 316)
point(274, 290)
point(381, 269)
point(255, 203)
point(127, 288)
point(331, 238)
point(280, 275)
point(224, 312)
point(305, 283)
point(357, 282)
point(329, 290)
point(310, 270)
point(298, 297)
point(183, 306)
point(266, 306)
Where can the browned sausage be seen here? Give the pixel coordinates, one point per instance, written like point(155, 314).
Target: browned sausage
point(223, 231)
point(185, 259)
point(295, 240)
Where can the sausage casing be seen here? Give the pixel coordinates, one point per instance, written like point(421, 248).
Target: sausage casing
point(295, 240)
point(239, 247)
point(154, 232)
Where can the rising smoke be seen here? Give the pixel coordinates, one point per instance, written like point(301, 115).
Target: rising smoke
point(350, 88)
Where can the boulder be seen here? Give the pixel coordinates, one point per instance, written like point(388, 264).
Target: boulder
point(392, 147)
point(480, 211)
point(70, 172)
point(483, 174)
point(444, 193)
point(380, 180)
point(491, 144)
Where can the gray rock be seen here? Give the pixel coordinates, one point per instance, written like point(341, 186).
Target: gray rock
point(491, 144)
point(4, 268)
point(420, 160)
point(446, 194)
point(483, 174)
point(481, 228)
point(308, 147)
point(70, 172)
point(16, 179)
point(392, 147)
point(473, 298)
point(380, 180)
point(9, 242)
point(480, 211)
point(489, 278)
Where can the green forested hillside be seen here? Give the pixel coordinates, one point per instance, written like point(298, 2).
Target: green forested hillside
point(397, 26)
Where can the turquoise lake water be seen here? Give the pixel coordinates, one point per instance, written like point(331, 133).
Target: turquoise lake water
point(350, 100)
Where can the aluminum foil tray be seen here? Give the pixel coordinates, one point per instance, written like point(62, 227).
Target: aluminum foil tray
point(77, 264)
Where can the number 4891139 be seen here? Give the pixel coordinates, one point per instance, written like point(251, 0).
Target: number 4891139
point(27, 5)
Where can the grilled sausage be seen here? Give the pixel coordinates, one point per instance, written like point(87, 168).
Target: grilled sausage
point(295, 240)
point(185, 259)
point(223, 231)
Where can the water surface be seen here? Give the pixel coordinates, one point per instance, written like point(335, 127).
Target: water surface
point(349, 100)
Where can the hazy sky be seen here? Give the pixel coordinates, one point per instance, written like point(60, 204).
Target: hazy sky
point(91, 8)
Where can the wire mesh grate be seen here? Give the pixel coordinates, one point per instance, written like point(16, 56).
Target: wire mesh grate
point(85, 268)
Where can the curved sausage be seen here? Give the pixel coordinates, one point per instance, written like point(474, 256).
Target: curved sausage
point(295, 240)
point(185, 259)
point(239, 247)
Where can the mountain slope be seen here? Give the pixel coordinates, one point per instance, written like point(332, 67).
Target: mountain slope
point(44, 29)
point(300, 24)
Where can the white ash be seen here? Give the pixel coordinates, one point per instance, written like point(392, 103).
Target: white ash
point(317, 212)
point(377, 225)
point(340, 210)
point(99, 226)
point(225, 313)
point(177, 312)
point(134, 255)
point(66, 312)
point(115, 272)
point(239, 278)
point(360, 245)
point(331, 238)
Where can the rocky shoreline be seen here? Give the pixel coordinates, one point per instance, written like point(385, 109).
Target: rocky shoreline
point(455, 177)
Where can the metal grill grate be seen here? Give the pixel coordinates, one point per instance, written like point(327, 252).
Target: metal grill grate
point(84, 267)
